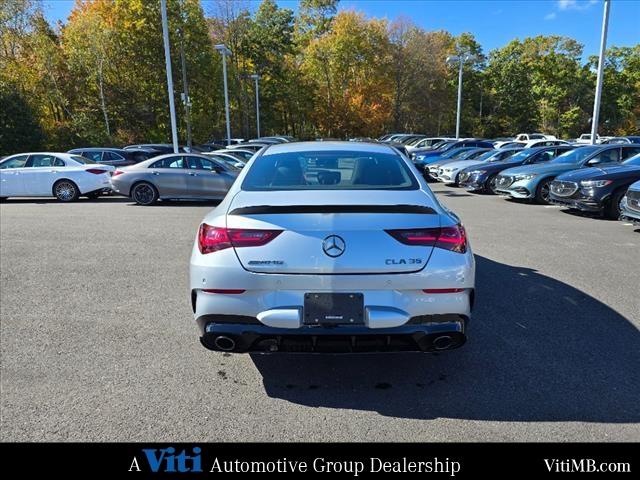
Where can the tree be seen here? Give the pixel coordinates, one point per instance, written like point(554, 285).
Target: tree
point(19, 127)
point(350, 67)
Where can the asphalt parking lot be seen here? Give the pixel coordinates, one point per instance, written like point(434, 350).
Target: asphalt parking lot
point(98, 341)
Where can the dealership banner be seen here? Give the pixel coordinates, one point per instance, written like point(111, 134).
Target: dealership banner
point(347, 460)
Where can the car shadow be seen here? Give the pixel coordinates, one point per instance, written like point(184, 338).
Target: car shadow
point(581, 214)
point(177, 203)
point(538, 350)
point(46, 200)
point(453, 193)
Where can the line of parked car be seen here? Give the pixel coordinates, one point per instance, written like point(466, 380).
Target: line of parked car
point(144, 172)
point(602, 179)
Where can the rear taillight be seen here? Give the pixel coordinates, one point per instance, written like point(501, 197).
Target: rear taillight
point(96, 171)
point(117, 172)
point(449, 238)
point(211, 239)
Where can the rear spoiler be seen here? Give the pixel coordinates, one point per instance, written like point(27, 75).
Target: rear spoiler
point(292, 209)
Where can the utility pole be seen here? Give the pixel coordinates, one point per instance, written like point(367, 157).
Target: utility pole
point(186, 100)
point(167, 61)
point(225, 51)
point(461, 59)
point(603, 47)
point(256, 77)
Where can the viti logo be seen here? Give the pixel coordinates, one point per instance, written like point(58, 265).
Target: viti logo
point(166, 460)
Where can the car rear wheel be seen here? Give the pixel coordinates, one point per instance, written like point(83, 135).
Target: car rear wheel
point(66, 191)
point(144, 193)
point(490, 184)
point(542, 192)
point(613, 208)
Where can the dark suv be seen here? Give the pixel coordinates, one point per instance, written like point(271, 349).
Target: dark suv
point(598, 189)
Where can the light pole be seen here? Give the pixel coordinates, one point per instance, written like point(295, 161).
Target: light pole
point(225, 51)
point(256, 77)
point(185, 95)
point(167, 60)
point(603, 46)
point(461, 59)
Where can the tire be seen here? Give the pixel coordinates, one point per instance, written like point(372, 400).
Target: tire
point(490, 185)
point(542, 192)
point(612, 210)
point(144, 193)
point(66, 191)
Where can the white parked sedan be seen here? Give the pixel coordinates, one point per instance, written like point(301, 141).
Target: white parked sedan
point(61, 175)
point(331, 247)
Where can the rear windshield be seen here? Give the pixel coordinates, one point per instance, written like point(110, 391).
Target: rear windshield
point(333, 170)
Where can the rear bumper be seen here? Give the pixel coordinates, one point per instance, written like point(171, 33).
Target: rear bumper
point(427, 333)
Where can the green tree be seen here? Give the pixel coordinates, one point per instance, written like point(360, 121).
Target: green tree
point(19, 127)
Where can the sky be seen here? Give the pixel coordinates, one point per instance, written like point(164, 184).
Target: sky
point(493, 22)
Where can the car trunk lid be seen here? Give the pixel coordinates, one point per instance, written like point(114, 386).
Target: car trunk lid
point(333, 232)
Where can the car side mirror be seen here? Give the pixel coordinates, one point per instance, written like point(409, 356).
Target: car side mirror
point(594, 161)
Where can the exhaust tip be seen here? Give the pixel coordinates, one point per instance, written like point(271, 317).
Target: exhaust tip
point(225, 343)
point(443, 342)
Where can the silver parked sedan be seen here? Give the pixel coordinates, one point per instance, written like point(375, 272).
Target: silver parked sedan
point(331, 247)
point(174, 176)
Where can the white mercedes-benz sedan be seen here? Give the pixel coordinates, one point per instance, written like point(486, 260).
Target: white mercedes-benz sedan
point(61, 175)
point(331, 247)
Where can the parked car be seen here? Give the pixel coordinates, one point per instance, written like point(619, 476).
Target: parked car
point(158, 147)
point(228, 157)
point(630, 205)
point(174, 176)
point(277, 138)
point(533, 181)
point(482, 178)
point(434, 168)
point(44, 174)
point(421, 157)
point(598, 189)
point(425, 143)
point(402, 137)
point(543, 143)
point(500, 141)
point(118, 157)
point(310, 227)
point(622, 140)
point(244, 154)
point(585, 139)
point(502, 145)
point(450, 172)
point(224, 142)
point(450, 155)
point(210, 147)
point(255, 146)
point(525, 137)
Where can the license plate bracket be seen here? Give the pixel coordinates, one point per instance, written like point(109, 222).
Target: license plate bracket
point(333, 309)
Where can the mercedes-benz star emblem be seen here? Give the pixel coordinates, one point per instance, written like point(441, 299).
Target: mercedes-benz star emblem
point(334, 246)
